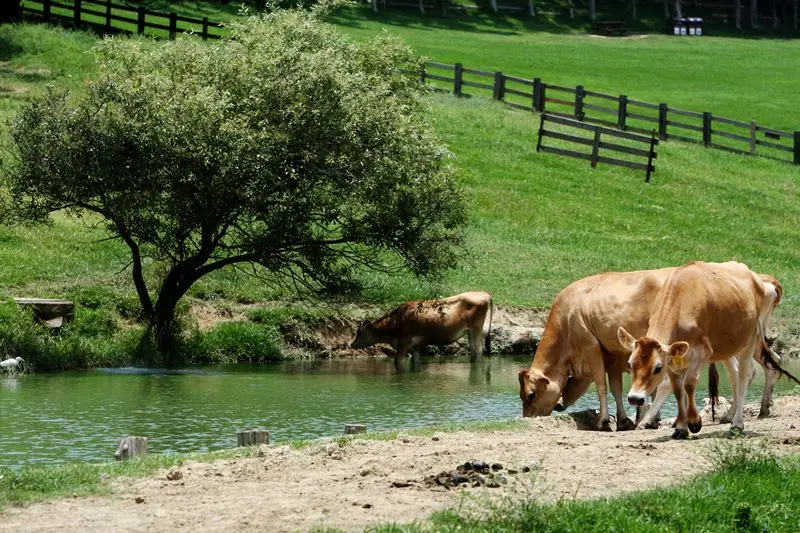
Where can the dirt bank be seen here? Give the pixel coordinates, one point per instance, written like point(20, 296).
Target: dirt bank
point(368, 482)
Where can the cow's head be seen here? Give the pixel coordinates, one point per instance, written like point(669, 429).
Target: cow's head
point(539, 394)
point(365, 336)
point(648, 361)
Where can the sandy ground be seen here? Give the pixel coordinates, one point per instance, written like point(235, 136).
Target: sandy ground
point(369, 482)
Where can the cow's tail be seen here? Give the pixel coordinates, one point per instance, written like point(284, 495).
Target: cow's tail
point(487, 341)
point(713, 389)
point(771, 361)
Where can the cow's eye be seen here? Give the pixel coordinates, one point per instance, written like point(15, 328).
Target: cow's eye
point(657, 369)
point(531, 396)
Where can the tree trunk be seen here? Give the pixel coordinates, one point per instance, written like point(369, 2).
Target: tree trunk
point(633, 10)
point(666, 8)
point(592, 10)
point(738, 14)
point(774, 16)
point(178, 280)
point(678, 9)
point(753, 13)
point(794, 15)
point(531, 10)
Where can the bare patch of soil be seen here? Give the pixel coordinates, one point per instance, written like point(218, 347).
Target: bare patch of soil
point(369, 482)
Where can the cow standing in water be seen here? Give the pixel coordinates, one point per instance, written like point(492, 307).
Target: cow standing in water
point(434, 322)
point(704, 312)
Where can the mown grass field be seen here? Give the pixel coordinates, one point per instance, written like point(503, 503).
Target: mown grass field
point(538, 221)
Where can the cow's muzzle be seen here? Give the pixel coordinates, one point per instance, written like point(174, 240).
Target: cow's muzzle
point(636, 399)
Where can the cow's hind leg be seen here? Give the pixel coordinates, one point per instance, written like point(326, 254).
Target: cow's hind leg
point(624, 423)
point(771, 375)
point(475, 337)
point(598, 368)
point(745, 361)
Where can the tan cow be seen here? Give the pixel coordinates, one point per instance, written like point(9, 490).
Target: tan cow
point(579, 345)
point(434, 322)
point(705, 312)
point(580, 340)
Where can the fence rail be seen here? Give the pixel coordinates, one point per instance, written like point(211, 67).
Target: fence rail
point(597, 143)
point(118, 18)
point(620, 112)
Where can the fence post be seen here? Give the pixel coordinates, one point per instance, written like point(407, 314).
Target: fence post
point(753, 131)
point(706, 128)
point(797, 148)
point(541, 129)
point(140, 22)
point(458, 77)
point(622, 112)
point(173, 25)
point(579, 95)
point(422, 75)
point(650, 167)
point(77, 13)
point(538, 94)
point(108, 16)
point(499, 86)
point(662, 121)
point(596, 147)
point(205, 29)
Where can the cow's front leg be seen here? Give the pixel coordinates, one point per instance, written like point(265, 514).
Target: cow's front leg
point(652, 416)
point(401, 350)
point(615, 384)
point(574, 389)
point(681, 425)
point(694, 421)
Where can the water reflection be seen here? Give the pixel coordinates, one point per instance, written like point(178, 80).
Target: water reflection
point(51, 419)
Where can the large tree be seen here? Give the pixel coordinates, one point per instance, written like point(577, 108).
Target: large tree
point(286, 146)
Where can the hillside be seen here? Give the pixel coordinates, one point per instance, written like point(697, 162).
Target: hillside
point(538, 221)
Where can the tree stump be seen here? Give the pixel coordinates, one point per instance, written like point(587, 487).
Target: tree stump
point(252, 437)
point(351, 429)
point(128, 447)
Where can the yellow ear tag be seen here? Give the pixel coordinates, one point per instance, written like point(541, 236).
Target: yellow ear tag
point(678, 361)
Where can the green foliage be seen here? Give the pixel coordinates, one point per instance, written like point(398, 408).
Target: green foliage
point(287, 146)
point(237, 342)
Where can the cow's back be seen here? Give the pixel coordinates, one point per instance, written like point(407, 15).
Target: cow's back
point(717, 301)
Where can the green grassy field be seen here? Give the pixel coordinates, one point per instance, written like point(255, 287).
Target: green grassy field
point(538, 221)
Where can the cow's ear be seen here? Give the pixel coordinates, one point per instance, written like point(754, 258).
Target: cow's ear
point(523, 375)
point(678, 349)
point(543, 381)
point(626, 339)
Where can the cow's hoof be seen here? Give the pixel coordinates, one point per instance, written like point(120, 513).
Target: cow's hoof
point(695, 427)
point(674, 424)
point(763, 413)
point(560, 407)
point(680, 434)
point(604, 425)
point(652, 424)
point(625, 424)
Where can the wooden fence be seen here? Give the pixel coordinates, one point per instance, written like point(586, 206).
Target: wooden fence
point(108, 17)
point(620, 112)
point(597, 143)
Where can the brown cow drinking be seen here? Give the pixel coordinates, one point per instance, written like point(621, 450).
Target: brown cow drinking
point(433, 322)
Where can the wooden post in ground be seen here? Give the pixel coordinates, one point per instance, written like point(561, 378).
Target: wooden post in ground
point(129, 447)
point(108, 16)
point(579, 96)
point(204, 34)
point(252, 437)
point(753, 130)
point(662, 121)
point(76, 6)
point(622, 112)
point(140, 20)
point(538, 94)
point(173, 25)
point(595, 148)
point(352, 429)
point(797, 148)
point(458, 78)
point(706, 128)
point(499, 86)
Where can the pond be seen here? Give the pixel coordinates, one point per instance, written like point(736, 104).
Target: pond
point(51, 419)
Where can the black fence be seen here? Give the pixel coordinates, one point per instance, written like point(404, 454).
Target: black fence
point(596, 143)
point(108, 17)
point(620, 112)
